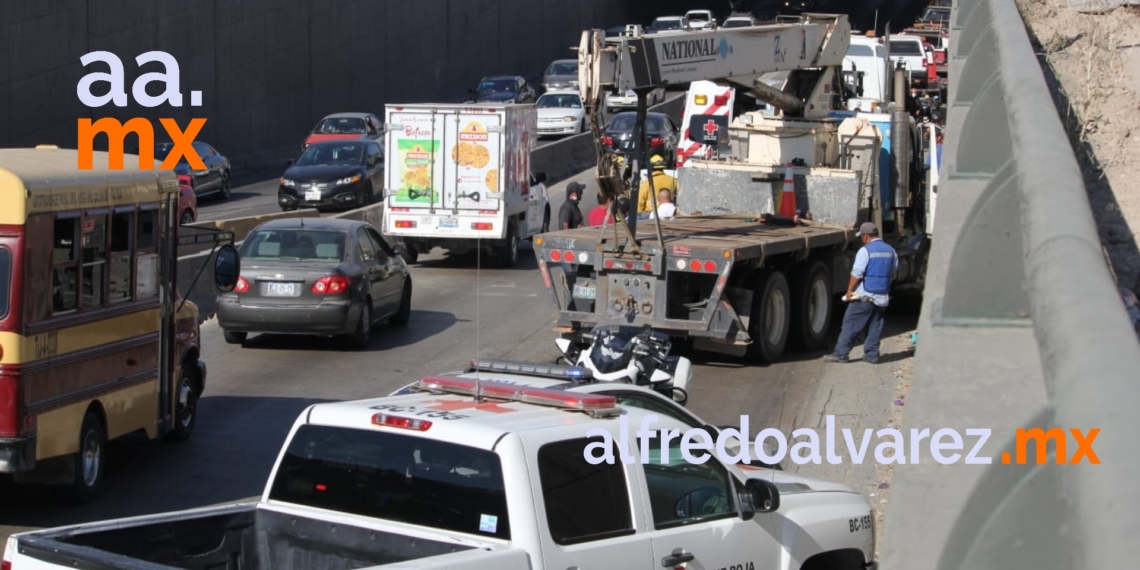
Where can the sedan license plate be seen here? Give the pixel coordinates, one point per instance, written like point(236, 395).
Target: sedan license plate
point(448, 223)
point(281, 289)
point(585, 292)
point(626, 144)
point(313, 195)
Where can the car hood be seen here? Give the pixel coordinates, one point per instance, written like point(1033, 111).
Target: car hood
point(496, 97)
point(322, 173)
point(559, 79)
point(789, 483)
point(559, 112)
point(318, 138)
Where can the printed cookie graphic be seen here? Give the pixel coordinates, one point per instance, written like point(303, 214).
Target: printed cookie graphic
point(492, 180)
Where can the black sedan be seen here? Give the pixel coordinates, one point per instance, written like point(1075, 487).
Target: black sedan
point(662, 133)
point(503, 89)
point(320, 276)
point(212, 180)
point(333, 174)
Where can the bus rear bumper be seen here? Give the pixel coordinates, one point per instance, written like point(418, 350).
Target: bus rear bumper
point(17, 454)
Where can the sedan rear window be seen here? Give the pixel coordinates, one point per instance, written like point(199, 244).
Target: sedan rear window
point(624, 123)
point(294, 245)
point(395, 477)
point(340, 126)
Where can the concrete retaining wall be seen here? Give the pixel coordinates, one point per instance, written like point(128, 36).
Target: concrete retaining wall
point(269, 69)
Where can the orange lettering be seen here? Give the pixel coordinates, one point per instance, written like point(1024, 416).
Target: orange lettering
point(1042, 438)
point(183, 146)
point(116, 133)
point(1084, 446)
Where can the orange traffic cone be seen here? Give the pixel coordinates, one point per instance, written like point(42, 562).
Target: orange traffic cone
point(787, 207)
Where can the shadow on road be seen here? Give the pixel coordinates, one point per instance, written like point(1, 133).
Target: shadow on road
point(423, 325)
point(228, 459)
point(527, 261)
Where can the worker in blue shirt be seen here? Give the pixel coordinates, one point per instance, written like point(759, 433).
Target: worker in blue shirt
point(868, 294)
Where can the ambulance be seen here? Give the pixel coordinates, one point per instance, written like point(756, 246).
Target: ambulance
point(704, 98)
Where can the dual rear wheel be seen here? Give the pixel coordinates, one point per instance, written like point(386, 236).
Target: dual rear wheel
point(792, 310)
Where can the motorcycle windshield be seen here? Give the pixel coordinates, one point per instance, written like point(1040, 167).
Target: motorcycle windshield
point(611, 351)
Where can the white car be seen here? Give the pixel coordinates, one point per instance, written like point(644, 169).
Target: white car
point(561, 113)
point(629, 100)
point(739, 22)
point(669, 23)
point(700, 19)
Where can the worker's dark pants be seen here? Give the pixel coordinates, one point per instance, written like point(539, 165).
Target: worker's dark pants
point(861, 315)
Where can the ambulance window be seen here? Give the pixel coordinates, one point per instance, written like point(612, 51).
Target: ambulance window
point(584, 502)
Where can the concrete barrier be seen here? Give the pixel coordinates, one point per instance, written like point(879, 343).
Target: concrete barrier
point(562, 159)
point(1022, 326)
point(241, 226)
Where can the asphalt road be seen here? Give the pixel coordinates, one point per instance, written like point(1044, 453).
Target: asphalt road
point(255, 393)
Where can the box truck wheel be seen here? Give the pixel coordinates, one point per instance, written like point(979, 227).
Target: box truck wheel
point(812, 305)
point(770, 317)
point(509, 254)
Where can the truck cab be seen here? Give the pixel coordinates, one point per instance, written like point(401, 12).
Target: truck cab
point(472, 474)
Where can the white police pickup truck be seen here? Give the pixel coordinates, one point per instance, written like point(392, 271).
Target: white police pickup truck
point(468, 473)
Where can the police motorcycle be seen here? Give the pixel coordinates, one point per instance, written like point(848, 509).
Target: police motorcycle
point(617, 353)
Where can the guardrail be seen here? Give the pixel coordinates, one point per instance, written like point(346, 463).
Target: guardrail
point(1022, 326)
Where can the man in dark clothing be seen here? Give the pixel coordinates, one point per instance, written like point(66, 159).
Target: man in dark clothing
point(569, 216)
point(875, 266)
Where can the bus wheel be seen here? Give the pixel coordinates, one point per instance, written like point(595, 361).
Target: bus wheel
point(770, 318)
point(90, 458)
point(185, 406)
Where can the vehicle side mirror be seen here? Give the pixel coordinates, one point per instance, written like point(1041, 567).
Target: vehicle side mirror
point(288, 163)
point(760, 496)
point(227, 267)
point(472, 92)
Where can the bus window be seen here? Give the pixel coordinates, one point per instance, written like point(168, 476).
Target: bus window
point(146, 284)
point(5, 280)
point(94, 260)
point(122, 235)
point(65, 266)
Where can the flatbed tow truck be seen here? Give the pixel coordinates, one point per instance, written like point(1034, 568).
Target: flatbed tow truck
point(730, 274)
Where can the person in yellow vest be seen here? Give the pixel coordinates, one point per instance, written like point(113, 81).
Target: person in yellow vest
point(661, 181)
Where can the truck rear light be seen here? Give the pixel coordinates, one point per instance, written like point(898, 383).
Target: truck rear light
point(524, 394)
point(556, 255)
point(401, 209)
point(489, 212)
point(609, 263)
point(710, 266)
point(648, 266)
point(405, 224)
point(482, 226)
point(330, 285)
point(695, 265)
point(242, 285)
point(398, 422)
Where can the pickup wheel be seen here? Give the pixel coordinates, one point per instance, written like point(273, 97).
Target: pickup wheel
point(770, 317)
point(812, 305)
point(90, 458)
point(186, 404)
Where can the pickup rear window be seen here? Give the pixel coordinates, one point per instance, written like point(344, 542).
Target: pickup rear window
point(395, 477)
point(906, 47)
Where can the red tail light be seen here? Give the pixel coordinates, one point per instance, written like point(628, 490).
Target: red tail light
point(405, 224)
point(710, 266)
point(556, 255)
point(482, 226)
point(695, 265)
point(242, 285)
point(608, 141)
point(330, 285)
point(656, 141)
point(5, 565)
point(720, 100)
point(609, 263)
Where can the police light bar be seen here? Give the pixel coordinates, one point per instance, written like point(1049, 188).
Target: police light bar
point(525, 394)
point(554, 371)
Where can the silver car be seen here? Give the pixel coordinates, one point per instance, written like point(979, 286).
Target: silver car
point(320, 276)
point(562, 75)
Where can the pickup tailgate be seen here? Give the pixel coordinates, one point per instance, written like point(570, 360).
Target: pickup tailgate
point(246, 536)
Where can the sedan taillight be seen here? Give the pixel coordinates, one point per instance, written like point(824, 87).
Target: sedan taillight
point(608, 141)
point(330, 285)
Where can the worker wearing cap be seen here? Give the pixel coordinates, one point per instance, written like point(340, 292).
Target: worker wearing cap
point(660, 181)
point(868, 294)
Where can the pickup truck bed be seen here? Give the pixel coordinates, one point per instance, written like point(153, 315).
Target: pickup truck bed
point(244, 537)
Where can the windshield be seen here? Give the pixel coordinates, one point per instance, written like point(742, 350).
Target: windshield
point(331, 154)
point(395, 477)
point(933, 15)
point(625, 122)
point(294, 245)
point(560, 101)
point(497, 86)
point(737, 24)
point(340, 126)
point(697, 17)
point(5, 280)
point(563, 68)
point(673, 24)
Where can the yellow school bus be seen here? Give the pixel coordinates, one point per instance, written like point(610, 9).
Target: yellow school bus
point(95, 342)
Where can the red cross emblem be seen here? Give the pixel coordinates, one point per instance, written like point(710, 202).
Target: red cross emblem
point(710, 128)
point(452, 405)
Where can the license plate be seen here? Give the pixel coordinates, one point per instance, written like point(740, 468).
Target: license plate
point(281, 289)
point(313, 195)
point(585, 292)
point(626, 144)
point(448, 223)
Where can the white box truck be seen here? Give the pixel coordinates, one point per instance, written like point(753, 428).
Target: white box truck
point(458, 177)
